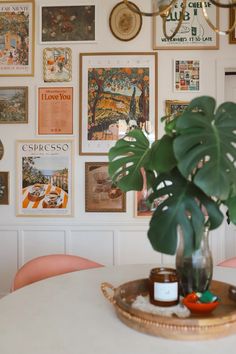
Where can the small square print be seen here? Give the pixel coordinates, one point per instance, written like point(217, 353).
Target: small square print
point(187, 75)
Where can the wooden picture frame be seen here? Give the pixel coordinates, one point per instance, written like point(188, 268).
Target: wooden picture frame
point(191, 35)
point(175, 106)
point(44, 178)
point(128, 82)
point(4, 188)
point(232, 35)
point(187, 75)
point(17, 49)
point(125, 24)
point(55, 110)
point(1, 150)
point(74, 23)
point(100, 194)
point(57, 64)
point(13, 105)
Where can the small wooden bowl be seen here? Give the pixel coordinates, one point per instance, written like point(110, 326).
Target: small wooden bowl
point(200, 308)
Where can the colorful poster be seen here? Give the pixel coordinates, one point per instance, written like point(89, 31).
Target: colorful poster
point(187, 75)
point(44, 178)
point(55, 110)
point(16, 38)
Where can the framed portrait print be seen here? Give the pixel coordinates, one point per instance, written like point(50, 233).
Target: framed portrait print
point(186, 75)
point(194, 32)
point(118, 92)
point(55, 110)
point(68, 23)
point(124, 23)
point(17, 38)
point(57, 64)
point(4, 188)
point(44, 177)
point(232, 35)
point(100, 194)
point(13, 104)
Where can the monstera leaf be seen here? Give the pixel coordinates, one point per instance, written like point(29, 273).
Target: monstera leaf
point(183, 207)
point(208, 138)
point(126, 159)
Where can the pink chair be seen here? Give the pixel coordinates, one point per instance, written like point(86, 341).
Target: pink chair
point(49, 266)
point(231, 262)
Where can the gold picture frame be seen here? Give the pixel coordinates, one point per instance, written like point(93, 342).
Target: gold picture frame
point(14, 101)
point(175, 106)
point(232, 35)
point(57, 64)
point(100, 194)
point(125, 24)
point(17, 55)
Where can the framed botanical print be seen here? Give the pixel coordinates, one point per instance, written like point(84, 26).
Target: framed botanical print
point(13, 104)
point(118, 92)
point(194, 32)
point(187, 75)
point(57, 64)
point(68, 23)
point(55, 110)
point(4, 188)
point(17, 38)
point(232, 35)
point(44, 178)
point(100, 194)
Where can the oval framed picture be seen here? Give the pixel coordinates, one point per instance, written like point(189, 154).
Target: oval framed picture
point(124, 23)
point(1, 150)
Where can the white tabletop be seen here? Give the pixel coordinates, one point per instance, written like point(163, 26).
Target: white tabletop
point(68, 314)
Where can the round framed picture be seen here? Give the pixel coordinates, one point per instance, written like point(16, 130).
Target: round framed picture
point(124, 23)
point(1, 150)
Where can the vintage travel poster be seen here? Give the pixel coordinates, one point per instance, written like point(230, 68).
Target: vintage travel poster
point(194, 32)
point(117, 94)
point(44, 178)
point(55, 110)
point(16, 38)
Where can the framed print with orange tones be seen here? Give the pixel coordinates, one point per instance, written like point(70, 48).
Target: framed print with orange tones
point(232, 35)
point(44, 177)
point(100, 194)
point(117, 92)
point(57, 64)
point(187, 76)
point(17, 38)
point(55, 110)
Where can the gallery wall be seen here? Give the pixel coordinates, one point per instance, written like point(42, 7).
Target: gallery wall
point(106, 237)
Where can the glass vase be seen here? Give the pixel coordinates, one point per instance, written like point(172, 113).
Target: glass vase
point(194, 271)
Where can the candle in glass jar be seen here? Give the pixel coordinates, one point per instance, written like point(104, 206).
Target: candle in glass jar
point(163, 287)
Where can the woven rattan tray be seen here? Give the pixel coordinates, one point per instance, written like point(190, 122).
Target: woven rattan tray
point(219, 323)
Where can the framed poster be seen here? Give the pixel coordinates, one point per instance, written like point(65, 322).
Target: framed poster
point(68, 23)
point(194, 32)
point(57, 64)
point(187, 75)
point(124, 23)
point(55, 110)
point(232, 35)
point(100, 194)
point(1, 150)
point(4, 188)
point(44, 177)
point(13, 104)
point(172, 107)
point(17, 38)
point(118, 92)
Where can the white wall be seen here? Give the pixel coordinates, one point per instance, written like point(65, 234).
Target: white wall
point(109, 238)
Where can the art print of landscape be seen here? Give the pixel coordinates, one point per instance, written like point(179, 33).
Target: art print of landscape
point(13, 105)
point(118, 100)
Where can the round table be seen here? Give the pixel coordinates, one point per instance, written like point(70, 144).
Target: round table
point(68, 314)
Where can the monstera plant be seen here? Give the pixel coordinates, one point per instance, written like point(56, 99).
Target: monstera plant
point(192, 168)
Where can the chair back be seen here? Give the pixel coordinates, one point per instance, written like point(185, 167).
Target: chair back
point(48, 266)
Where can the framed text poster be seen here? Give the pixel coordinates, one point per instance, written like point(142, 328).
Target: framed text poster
point(194, 32)
point(17, 38)
point(55, 110)
point(187, 75)
point(44, 172)
point(117, 92)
